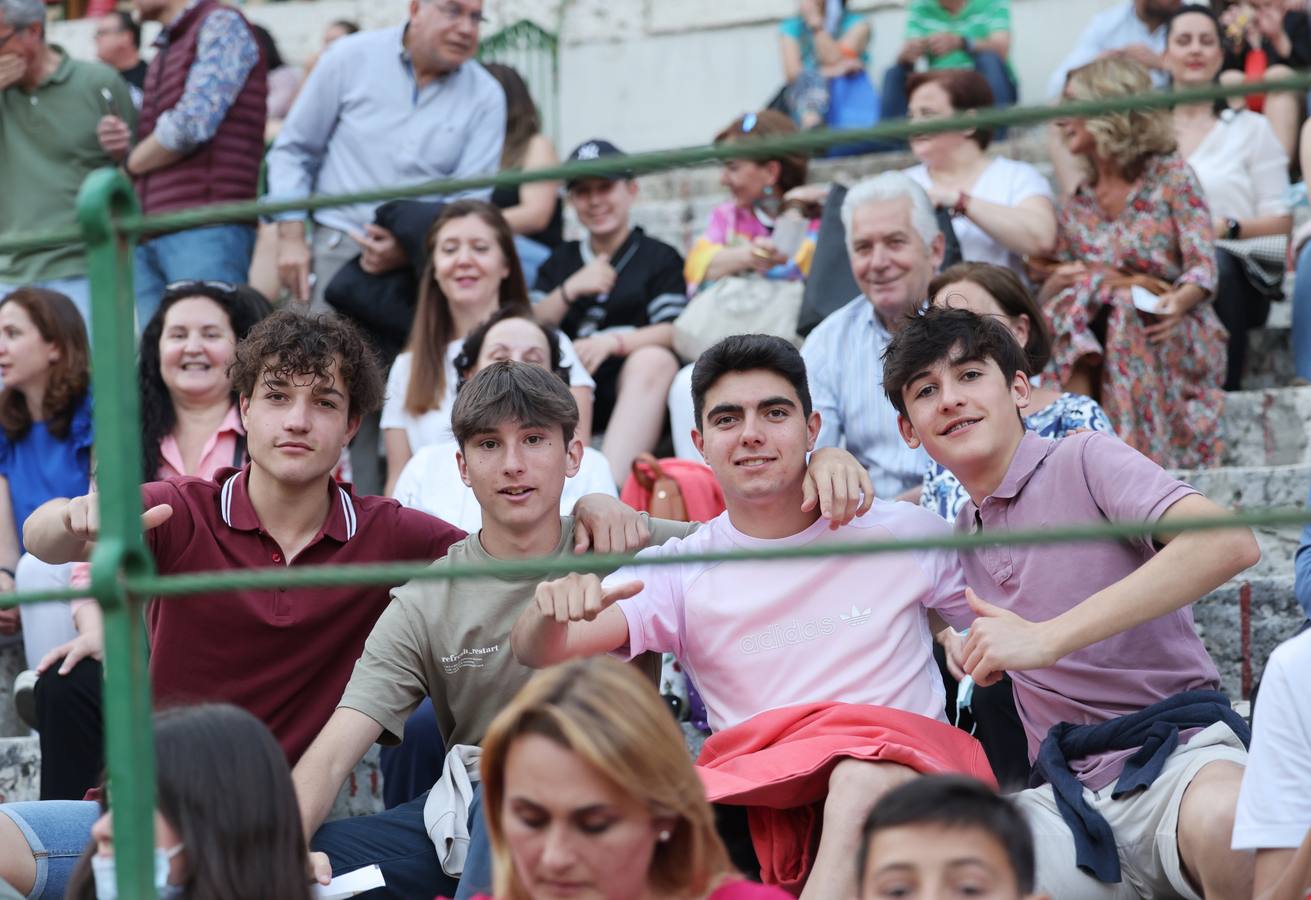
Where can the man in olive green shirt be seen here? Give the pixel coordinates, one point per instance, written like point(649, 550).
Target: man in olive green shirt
point(50, 105)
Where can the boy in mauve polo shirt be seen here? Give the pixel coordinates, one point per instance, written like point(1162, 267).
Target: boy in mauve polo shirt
point(807, 638)
point(1141, 754)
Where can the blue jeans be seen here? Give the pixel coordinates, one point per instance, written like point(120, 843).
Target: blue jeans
point(213, 253)
point(531, 257)
point(77, 289)
point(988, 64)
point(398, 843)
point(58, 831)
point(1302, 314)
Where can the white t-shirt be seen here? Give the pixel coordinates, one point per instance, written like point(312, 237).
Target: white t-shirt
point(1274, 803)
point(1005, 181)
point(431, 482)
point(1242, 167)
point(434, 426)
point(849, 629)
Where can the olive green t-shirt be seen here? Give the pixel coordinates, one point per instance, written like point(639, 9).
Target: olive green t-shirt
point(450, 640)
point(48, 146)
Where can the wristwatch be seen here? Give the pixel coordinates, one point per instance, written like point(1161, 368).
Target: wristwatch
point(1233, 230)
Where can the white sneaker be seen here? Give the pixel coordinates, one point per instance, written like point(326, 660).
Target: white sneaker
point(25, 696)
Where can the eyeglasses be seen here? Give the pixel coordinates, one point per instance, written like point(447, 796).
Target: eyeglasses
point(106, 32)
point(456, 11)
point(181, 287)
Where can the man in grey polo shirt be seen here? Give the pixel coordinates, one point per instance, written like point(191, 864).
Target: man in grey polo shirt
point(383, 108)
point(49, 107)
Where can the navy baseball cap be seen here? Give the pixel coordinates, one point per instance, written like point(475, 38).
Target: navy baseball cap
point(595, 149)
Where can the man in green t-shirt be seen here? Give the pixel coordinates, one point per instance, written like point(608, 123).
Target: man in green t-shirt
point(953, 34)
point(450, 640)
point(50, 106)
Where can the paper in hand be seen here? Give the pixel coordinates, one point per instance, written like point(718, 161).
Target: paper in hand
point(1144, 299)
point(350, 884)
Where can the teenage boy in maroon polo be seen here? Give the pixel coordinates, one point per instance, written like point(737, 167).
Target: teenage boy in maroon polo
point(1095, 634)
point(283, 654)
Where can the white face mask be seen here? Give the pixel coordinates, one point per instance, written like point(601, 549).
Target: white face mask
point(106, 876)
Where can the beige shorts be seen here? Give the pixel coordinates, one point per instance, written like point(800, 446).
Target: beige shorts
point(1145, 826)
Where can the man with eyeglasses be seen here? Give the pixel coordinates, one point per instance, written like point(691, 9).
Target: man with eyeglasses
point(49, 105)
point(383, 108)
point(199, 142)
point(118, 44)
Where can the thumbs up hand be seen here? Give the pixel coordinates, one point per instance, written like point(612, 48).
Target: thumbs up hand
point(1000, 640)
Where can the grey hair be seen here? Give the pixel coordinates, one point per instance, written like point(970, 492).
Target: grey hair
point(890, 186)
point(22, 13)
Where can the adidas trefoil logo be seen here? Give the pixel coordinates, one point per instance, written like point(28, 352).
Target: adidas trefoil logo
point(857, 616)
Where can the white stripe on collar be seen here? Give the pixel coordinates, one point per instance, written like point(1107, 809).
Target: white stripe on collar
point(347, 507)
point(348, 510)
point(225, 499)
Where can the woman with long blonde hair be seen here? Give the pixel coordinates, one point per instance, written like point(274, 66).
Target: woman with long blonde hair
point(589, 792)
point(1130, 312)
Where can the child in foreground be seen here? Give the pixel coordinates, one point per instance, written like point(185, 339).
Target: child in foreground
point(944, 836)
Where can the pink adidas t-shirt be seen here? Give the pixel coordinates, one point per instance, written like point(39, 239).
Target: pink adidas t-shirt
point(762, 635)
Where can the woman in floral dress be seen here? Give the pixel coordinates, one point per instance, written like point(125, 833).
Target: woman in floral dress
point(1139, 214)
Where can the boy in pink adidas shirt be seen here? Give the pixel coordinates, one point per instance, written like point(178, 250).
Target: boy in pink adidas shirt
point(757, 637)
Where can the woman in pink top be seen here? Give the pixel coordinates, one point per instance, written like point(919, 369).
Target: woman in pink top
point(190, 426)
point(589, 792)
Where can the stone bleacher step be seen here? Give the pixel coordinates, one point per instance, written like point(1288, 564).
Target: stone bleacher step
point(1267, 427)
point(1242, 621)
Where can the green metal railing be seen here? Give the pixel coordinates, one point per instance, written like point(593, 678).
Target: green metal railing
point(123, 578)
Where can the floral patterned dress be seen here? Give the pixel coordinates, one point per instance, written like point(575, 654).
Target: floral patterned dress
point(1163, 399)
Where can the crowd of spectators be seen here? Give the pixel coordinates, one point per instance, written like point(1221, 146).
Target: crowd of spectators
point(455, 380)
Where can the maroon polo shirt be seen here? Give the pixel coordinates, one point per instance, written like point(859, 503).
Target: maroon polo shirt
point(284, 654)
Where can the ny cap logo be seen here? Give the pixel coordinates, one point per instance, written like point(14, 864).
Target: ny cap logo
point(589, 151)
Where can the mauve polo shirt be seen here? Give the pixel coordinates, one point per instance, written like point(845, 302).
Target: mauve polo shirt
point(283, 654)
point(1081, 479)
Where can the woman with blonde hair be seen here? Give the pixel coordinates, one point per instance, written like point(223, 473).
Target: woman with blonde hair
point(1132, 325)
point(590, 792)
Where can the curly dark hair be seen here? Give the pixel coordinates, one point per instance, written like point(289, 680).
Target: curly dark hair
point(290, 343)
point(244, 307)
point(57, 320)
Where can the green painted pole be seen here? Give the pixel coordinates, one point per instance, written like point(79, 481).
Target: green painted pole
point(106, 196)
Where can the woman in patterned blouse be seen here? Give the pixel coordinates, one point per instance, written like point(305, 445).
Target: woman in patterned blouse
point(1136, 234)
point(989, 290)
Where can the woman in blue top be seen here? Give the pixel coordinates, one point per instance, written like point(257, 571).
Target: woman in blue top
point(824, 41)
point(989, 290)
point(45, 429)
